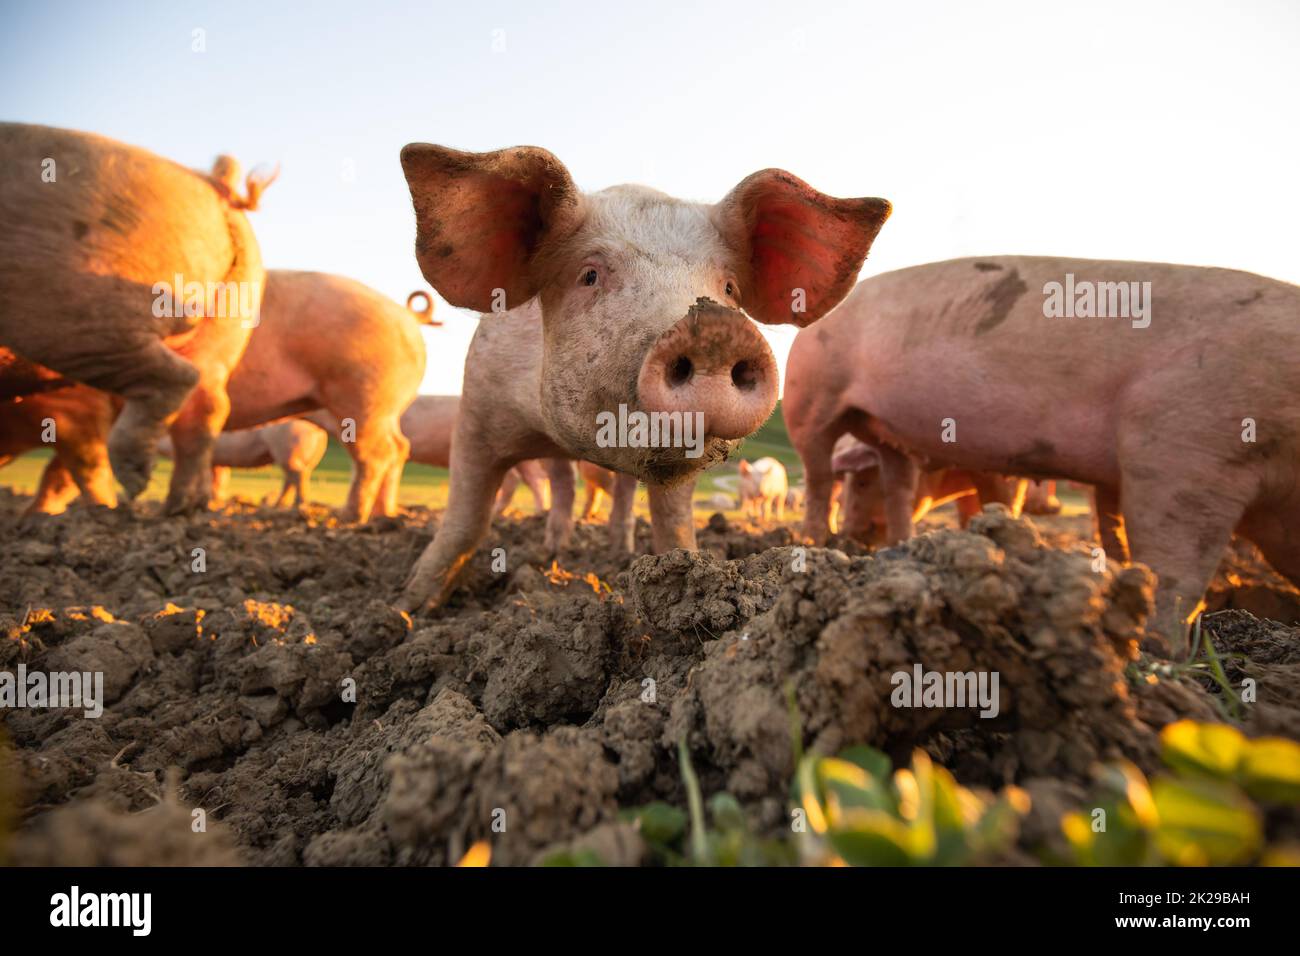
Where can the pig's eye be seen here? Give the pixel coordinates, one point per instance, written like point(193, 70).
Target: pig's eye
point(589, 276)
point(732, 291)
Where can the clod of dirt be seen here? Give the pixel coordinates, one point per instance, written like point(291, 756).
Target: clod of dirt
point(99, 831)
point(546, 660)
point(995, 600)
point(1267, 655)
point(699, 593)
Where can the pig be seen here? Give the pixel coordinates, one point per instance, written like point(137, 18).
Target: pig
point(428, 424)
point(76, 419)
point(295, 445)
point(96, 236)
point(1184, 414)
point(604, 309)
point(763, 487)
point(861, 504)
point(328, 342)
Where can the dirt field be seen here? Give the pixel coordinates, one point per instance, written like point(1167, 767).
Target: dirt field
point(548, 698)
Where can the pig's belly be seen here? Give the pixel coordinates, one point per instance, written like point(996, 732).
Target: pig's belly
point(259, 395)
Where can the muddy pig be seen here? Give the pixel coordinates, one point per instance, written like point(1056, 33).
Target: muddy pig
point(328, 342)
point(1175, 390)
point(763, 486)
point(295, 445)
point(613, 329)
point(97, 235)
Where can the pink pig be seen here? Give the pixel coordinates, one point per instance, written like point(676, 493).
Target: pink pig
point(610, 314)
point(1183, 411)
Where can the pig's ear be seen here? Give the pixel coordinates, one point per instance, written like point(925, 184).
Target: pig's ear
point(481, 217)
point(800, 248)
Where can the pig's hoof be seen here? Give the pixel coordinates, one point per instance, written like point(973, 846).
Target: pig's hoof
point(412, 602)
point(185, 502)
point(131, 466)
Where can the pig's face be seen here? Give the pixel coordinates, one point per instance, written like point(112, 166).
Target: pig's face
point(649, 365)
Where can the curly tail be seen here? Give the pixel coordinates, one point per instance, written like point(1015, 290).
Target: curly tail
point(423, 316)
point(225, 173)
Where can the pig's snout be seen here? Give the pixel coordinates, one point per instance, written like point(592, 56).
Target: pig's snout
point(712, 361)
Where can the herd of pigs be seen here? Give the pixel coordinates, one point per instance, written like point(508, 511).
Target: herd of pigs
point(128, 329)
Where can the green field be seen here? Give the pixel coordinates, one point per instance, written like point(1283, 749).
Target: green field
point(421, 484)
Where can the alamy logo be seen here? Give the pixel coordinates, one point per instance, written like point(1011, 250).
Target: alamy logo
point(922, 688)
point(218, 300)
point(651, 430)
point(54, 689)
point(1101, 300)
point(103, 909)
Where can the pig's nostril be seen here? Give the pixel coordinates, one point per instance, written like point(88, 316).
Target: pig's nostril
point(743, 375)
point(680, 372)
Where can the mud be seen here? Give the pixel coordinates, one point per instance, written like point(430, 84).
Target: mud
point(281, 693)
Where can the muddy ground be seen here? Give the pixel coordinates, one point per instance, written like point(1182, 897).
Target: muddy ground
point(551, 696)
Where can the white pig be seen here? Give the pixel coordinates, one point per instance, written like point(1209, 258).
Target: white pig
point(763, 486)
point(612, 327)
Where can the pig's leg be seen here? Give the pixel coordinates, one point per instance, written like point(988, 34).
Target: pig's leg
point(155, 381)
point(1109, 524)
point(55, 491)
point(1179, 525)
point(819, 486)
point(287, 485)
point(303, 478)
point(540, 489)
point(475, 479)
point(898, 477)
point(220, 483)
point(379, 445)
point(85, 459)
point(215, 349)
point(590, 505)
point(388, 488)
point(780, 507)
point(559, 523)
point(855, 516)
point(622, 524)
point(507, 492)
point(672, 519)
point(193, 435)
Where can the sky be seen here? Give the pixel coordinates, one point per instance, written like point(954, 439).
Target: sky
point(1162, 131)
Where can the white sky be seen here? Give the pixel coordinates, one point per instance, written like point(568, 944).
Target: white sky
point(1141, 130)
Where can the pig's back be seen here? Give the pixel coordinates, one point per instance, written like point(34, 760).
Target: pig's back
point(112, 209)
point(965, 344)
point(1002, 300)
